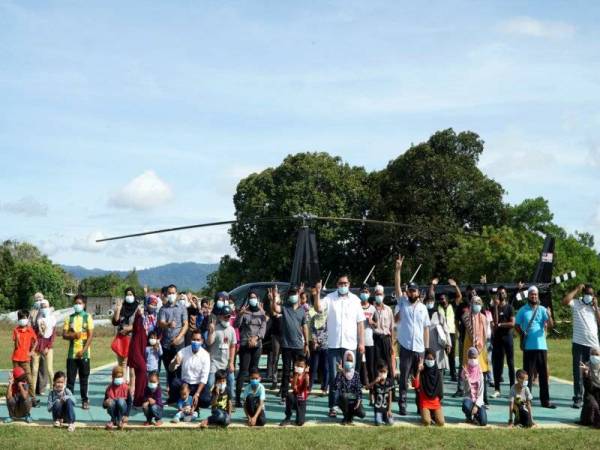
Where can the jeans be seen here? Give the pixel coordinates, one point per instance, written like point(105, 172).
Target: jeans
point(381, 417)
point(64, 410)
point(219, 417)
point(293, 404)
point(318, 363)
point(452, 355)
point(81, 366)
point(153, 412)
point(535, 362)
point(349, 409)
point(289, 355)
point(249, 358)
point(409, 363)
point(250, 407)
point(167, 357)
point(117, 409)
point(334, 356)
point(230, 383)
point(461, 350)
point(273, 359)
point(480, 416)
point(504, 345)
point(581, 353)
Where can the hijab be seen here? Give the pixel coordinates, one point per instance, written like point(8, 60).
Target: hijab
point(129, 309)
point(473, 373)
point(431, 380)
point(595, 375)
point(349, 356)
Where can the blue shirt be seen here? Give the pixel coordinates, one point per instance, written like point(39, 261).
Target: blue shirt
point(170, 313)
point(413, 320)
point(152, 357)
point(259, 392)
point(536, 337)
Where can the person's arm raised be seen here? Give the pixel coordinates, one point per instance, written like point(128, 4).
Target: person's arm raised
point(458, 297)
point(571, 295)
point(398, 276)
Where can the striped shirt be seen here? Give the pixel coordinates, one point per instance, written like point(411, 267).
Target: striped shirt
point(585, 326)
point(79, 323)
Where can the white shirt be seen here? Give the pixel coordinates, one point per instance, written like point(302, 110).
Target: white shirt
point(413, 320)
point(585, 326)
point(343, 315)
point(195, 367)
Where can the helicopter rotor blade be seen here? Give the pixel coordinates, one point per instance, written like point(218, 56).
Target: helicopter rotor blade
point(351, 219)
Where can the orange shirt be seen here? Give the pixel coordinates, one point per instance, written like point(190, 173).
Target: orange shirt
point(424, 401)
point(23, 337)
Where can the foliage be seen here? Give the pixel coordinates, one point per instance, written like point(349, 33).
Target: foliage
point(111, 285)
point(231, 273)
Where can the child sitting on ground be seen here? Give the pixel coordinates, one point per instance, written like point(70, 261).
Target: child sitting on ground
point(185, 411)
point(117, 400)
point(153, 353)
point(296, 399)
point(520, 402)
point(430, 391)
point(220, 402)
point(254, 400)
point(25, 340)
point(61, 402)
point(382, 389)
point(153, 404)
point(473, 387)
point(348, 390)
point(18, 400)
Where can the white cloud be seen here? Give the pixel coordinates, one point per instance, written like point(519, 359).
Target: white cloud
point(88, 243)
point(25, 206)
point(529, 26)
point(145, 191)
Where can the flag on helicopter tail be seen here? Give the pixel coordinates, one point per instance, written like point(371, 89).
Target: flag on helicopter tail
point(556, 280)
point(305, 268)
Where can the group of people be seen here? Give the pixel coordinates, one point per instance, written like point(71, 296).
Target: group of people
point(357, 348)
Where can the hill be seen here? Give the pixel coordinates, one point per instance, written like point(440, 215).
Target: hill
point(187, 275)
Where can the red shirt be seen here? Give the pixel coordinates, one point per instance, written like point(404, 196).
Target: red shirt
point(114, 392)
point(302, 387)
point(24, 337)
point(424, 401)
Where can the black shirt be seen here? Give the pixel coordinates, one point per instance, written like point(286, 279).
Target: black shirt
point(381, 392)
point(505, 312)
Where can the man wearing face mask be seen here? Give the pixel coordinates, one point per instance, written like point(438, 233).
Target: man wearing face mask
point(586, 320)
point(294, 334)
point(412, 333)
point(345, 328)
point(367, 375)
point(531, 323)
point(222, 342)
point(252, 324)
point(193, 362)
point(502, 338)
point(383, 329)
point(173, 321)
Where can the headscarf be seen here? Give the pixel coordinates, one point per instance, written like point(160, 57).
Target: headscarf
point(45, 325)
point(136, 358)
point(476, 325)
point(473, 373)
point(431, 380)
point(433, 310)
point(349, 356)
point(129, 309)
point(595, 372)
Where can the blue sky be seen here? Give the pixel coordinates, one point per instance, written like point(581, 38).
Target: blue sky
point(124, 116)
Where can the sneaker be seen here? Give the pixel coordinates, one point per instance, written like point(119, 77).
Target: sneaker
point(576, 404)
point(496, 394)
point(57, 424)
point(71, 427)
point(402, 411)
point(175, 420)
point(332, 413)
point(28, 419)
point(8, 420)
point(85, 405)
point(549, 406)
point(285, 423)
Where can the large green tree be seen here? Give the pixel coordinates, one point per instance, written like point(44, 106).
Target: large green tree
point(110, 285)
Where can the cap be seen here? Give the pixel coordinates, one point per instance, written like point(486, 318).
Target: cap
point(412, 286)
point(225, 311)
point(18, 372)
point(222, 294)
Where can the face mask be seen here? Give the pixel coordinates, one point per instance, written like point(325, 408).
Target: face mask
point(430, 305)
point(473, 362)
point(78, 307)
point(364, 296)
point(379, 299)
point(343, 290)
point(594, 360)
point(118, 381)
point(44, 312)
point(412, 299)
point(299, 370)
point(151, 309)
point(36, 304)
point(383, 375)
point(293, 299)
point(476, 309)
point(220, 304)
point(171, 298)
point(587, 299)
point(429, 363)
point(222, 386)
point(254, 382)
point(152, 341)
point(23, 322)
point(348, 365)
point(253, 302)
point(129, 298)
point(224, 323)
point(196, 346)
point(152, 386)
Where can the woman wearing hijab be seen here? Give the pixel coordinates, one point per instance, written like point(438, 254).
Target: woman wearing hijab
point(348, 390)
point(136, 358)
point(123, 319)
point(477, 332)
point(430, 390)
point(590, 413)
point(439, 335)
point(43, 354)
point(472, 376)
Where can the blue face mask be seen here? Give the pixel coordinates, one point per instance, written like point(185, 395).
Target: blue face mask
point(152, 386)
point(588, 299)
point(379, 299)
point(254, 382)
point(196, 346)
point(343, 290)
point(78, 307)
point(476, 309)
point(220, 304)
point(253, 302)
point(364, 296)
point(293, 299)
point(118, 381)
point(348, 365)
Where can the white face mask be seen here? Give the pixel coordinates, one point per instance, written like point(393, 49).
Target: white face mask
point(44, 312)
point(299, 370)
point(430, 305)
point(171, 298)
point(129, 298)
point(23, 322)
point(588, 299)
point(224, 323)
point(152, 341)
point(473, 362)
point(429, 363)
point(595, 360)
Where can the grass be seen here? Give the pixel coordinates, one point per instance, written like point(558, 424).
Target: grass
point(559, 358)
point(13, 437)
point(101, 352)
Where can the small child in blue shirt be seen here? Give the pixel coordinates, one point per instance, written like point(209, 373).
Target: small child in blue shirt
point(153, 353)
point(254, 400)
point(185, 412)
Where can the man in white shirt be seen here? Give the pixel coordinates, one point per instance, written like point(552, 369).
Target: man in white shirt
point(345, 328)
point(195, 368)
point(412, 332)
point(586, 320)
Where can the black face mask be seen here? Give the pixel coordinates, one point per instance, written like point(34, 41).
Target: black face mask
point(533, 302)
point(413, 299)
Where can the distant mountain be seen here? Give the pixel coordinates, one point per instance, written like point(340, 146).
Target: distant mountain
point(188, 275)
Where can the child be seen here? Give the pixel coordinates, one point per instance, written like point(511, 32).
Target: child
point(520, 402)
point(25, 340)
point(153, 353)
point(473, 386)
point(18, 400)
point(117, 400)
point(296, 399)
point(61, 403)
point(185, 412)
point(382, 389)
point(348, 390)
point(153, 404)
point(220, 402)
point(430, 391)
point(254, 400)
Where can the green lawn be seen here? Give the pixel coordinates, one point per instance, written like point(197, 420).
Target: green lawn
point(101, 352)
point(559, 358)
point(337, 437)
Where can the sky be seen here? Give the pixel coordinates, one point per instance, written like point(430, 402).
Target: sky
point(118, 117)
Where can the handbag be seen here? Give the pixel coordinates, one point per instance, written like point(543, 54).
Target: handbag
point(120, 345)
